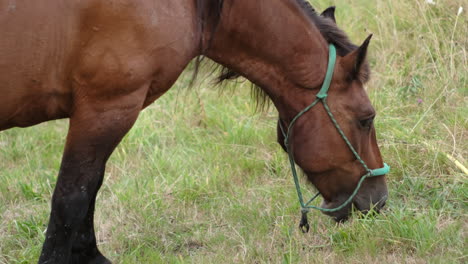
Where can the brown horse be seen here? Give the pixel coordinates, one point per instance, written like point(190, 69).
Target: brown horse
point(100, 63)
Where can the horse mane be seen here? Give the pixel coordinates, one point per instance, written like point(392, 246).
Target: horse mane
point(209, 14)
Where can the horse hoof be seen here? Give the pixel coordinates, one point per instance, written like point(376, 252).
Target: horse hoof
point(100, 260)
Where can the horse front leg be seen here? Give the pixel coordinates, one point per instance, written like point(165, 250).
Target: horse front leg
point(95, 130)
point(84, 248)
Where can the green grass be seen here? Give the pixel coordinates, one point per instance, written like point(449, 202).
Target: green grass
point(200, 179)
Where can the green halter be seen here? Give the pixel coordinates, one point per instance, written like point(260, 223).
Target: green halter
point(322, 96)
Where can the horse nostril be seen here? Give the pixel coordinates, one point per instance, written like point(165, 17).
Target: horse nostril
point(383, 204)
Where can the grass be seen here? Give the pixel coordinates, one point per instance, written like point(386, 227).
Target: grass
point(200, 179)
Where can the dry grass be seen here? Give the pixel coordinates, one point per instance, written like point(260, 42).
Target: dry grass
point(200, 179)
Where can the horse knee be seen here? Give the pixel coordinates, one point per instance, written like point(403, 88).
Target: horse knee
point(70, 208)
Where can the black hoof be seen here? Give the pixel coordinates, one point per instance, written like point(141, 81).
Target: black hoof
point(100, 260)
point(96, 259)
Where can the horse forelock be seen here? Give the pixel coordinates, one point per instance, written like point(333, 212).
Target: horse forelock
point(334, 35)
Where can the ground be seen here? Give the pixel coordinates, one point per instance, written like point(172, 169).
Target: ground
point(200, 179)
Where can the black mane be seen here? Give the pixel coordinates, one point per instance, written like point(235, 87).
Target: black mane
point(209, 13)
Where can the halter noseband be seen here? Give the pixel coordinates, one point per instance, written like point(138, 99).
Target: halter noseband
point(322, 97)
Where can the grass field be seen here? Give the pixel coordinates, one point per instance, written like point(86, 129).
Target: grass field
point(200, 179)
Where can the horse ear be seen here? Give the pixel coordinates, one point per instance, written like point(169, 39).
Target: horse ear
point(330, 13)
point(354, 62)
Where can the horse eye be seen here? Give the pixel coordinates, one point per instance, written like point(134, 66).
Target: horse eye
point(367, 123)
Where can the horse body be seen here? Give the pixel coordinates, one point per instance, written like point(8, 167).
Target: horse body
point(53, 54)
point(100, 63)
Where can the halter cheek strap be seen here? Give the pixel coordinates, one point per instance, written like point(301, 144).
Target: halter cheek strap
point(322, 97)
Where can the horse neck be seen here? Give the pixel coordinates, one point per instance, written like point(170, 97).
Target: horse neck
point(274, 45)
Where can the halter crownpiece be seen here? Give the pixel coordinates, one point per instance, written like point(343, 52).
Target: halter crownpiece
point(322, 97)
